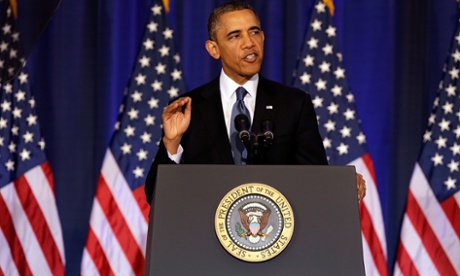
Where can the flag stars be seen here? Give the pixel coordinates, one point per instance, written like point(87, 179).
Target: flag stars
point(28, 137)
point(316, 25)
point(454, 73)
point(444, 125)
point(329, 126)
point(3, 123)
point(153, 27)
point(6, 29)
point(142, 155)
point(327, 49)
point(25, 155)
point(144, 61)
point(129, 130)
point(157, 85)
point(9, 165)
point(146, 137)
point(148, 44)
point(312, 43)
point(309, 61)
point(168, 33)
point(450, 183)
point(325, 67)
point(339, 73)
point(156, 10)
point(437, 159)
point(317, 101)
point(140, 79)
point(427, 136)
point(176, 74)
point(441, 142)
point(3, 46)
point(15, 130)
point(350, 98)
point(346, 132)
point(320, 7)
point(136, 96)
point(456, 55)
point(453, 166)
point(23, 77)
point(320, 85)
point(333, 108)
point(42, 144)
point(17, 112)
point(361, 138)
point(5, 106)
point(305, 78)
point(342, 149)
point(349, 114)
point(457, 132)
point(330, 31)
point(149, 120)
point(455, 149)
point(20, 96)
point(336, 91)
point(153, 103)
point(133, 114)
point(32, 120)
point(451, 90)
point(164, 51)
point(177, 58)
point(160, 68)
point(327, 143)
point(448, 108)
point(138, 172)
point(12, 147)
point(126, 148)
point(173, 92)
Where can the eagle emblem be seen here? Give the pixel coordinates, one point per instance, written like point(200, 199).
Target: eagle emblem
point(254, 218)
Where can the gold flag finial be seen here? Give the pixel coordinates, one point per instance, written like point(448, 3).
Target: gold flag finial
point(330, 5)
point(14, 8)
point(166, 5)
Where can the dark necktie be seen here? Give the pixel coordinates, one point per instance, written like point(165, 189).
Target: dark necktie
point(238, 148)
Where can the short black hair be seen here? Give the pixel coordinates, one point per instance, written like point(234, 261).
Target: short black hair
point(213, 20)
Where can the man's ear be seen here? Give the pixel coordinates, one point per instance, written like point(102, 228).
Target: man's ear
point(212, 48)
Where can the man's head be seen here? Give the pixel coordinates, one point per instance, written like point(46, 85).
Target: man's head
point(237, 39)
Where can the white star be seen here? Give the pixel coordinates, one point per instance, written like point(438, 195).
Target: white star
point(9, 165)
point(336, 90)
point(330, 126)
point(3, 123)
point(456, 55)
point(346, 132)
point(42, 144)
point(173, 92)
point(12, 147)
point(6, 106)
point(450, 183)
point(32, 102)
point(448, 108)
point(327, 49)
point(317, 101)
point(454, 73)
point(455, 149)
point(161, 68)
point(320, 7)
point(142, 154)
point(453, 166)
point(144, 61)
point(17, 112)
point(153, 103)
point(168, 33)
point(177, 58)
point(3, 46)
point(164, 51)
point(28, 137)
point(146, 137)
point(25, 154)
point(23, 77)
point(148, 44)
point(32, 120)
point(149, 120)
point(325, 67)
point(138, 172)
point(137, 96)
point(6, 28)
point(450, 90)
point(339, 73)
point(441, 142)
point(342, 149)
point(157, 85)
point(133, 114)
point(361, 138)
point(437, 159)
point(126, 148)
point(330, 31)
point(444, 125)
point(8, 88)
point(20, 96)
point(15, 130)
point(327, 143)
point(427, 136)
point(320, 85)
point(457, 131)
point(153, 27)
point(432, 119)
point(129, 130)
point(156, 10)
point(140, 79)
point(316, 25)
point(305, 78)
point(313, 43)
point(333, 108)
point(349, 114)
point(176, 74)
point(308, 60)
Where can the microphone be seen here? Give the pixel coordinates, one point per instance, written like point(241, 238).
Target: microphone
point(267, 129)
point(242, 125)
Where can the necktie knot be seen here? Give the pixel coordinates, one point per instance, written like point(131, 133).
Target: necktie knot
point(240, 93)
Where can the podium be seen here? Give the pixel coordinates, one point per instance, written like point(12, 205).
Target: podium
point(326, 239)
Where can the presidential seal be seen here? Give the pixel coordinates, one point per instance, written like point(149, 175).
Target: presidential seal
point(254, 222)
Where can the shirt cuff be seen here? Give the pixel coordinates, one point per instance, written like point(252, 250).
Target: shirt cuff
point(176, 157)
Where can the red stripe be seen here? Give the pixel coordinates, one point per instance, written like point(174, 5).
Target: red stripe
point(405, 263)
point(373, 240)
point(46, 168)
point(139, 195)
point(370, 166)
point(1, 272)
point(120, 227)
point(97, 254)
point(39, 225)
point(452, 211)
point(6, 225)
point(429, 239)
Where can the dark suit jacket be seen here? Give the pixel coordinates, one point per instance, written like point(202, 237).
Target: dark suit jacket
point(297, 139)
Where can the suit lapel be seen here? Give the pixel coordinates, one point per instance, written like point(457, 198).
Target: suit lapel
point(266, 105)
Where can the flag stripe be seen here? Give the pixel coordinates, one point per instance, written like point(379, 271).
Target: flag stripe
point(7, 263)
point(30, 246)
point(120, 228)
point(452, 210)
point(15, 247)
point(429, 239)
point(406, 266)
point(98, 257)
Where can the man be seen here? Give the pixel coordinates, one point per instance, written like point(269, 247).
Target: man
point(202, 134)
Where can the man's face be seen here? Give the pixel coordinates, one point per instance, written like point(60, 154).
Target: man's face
point(239, 45)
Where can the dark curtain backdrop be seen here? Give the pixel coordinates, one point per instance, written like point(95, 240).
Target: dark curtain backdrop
point(393, 54)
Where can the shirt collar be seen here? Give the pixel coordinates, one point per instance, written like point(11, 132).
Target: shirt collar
point(228, 86)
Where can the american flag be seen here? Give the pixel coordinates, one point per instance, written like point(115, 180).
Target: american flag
point(117, 236)
point(30, 231)
point(320, 73)
point(430, 233)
